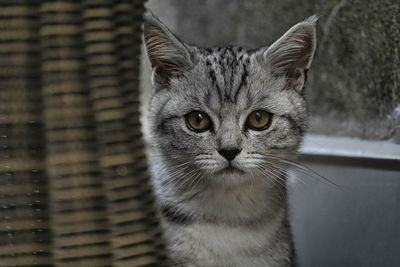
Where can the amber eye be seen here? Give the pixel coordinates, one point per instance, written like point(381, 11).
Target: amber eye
point(198, 121)
point(258, 120)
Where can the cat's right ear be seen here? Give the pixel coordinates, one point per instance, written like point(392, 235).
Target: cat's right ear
point(168, 56)
point(291, 55)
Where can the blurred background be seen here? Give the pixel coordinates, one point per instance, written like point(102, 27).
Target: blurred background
point(74, 83)
point(74, 186)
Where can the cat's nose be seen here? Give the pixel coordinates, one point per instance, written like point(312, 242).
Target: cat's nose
point(229, 154)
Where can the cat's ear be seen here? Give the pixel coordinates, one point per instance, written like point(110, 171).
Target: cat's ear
point(292, 54)
point(168, 56)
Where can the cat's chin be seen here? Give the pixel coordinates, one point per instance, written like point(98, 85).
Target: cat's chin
point(230, 170)
point(230, 177)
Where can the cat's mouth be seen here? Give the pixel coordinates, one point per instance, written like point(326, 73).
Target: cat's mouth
point(230, 169)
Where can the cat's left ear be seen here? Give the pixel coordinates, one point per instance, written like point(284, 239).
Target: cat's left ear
point(292, 54)
point(168, 56)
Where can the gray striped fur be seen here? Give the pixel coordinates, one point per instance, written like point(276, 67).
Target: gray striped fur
point(212, 217)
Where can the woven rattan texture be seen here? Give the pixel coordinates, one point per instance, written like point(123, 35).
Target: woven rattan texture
point(74, 186)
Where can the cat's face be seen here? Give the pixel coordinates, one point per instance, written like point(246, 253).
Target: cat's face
point(227, 115)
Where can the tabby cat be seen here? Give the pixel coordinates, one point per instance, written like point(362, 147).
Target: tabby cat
point(224, 124)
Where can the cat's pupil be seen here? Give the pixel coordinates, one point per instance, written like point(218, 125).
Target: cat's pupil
point(199, 118)
point(258, 117)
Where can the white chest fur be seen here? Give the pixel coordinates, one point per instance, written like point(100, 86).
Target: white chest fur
point(220, 245)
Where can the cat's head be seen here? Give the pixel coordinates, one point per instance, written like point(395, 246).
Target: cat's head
point(227, 114)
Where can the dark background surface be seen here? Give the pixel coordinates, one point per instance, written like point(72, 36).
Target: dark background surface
point(355, 223)
point(353, 85)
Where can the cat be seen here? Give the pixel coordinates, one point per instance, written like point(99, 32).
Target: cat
point(224, 124)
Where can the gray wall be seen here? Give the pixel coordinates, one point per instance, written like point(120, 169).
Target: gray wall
point(353, 85)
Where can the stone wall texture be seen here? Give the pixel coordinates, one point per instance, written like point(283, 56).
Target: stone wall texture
point(353, 86)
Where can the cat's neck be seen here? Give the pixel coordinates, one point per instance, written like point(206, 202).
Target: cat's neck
point(248, 202)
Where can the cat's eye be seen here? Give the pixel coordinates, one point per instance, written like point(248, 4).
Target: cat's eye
point(198, 121)
point(258, 120)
